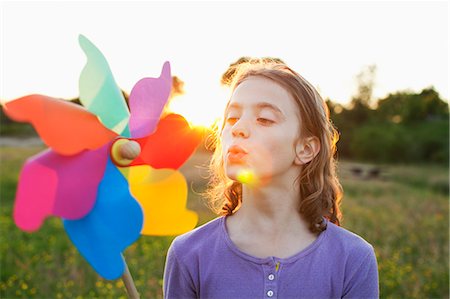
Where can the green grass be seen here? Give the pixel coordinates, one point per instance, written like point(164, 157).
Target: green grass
point(406, 219)
point(403, 213)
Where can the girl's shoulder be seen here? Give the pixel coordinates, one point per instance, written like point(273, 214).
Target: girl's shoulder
point(200, 238)
point(346, 241)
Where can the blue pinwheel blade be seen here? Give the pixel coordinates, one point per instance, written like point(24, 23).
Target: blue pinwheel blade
point(114, 223)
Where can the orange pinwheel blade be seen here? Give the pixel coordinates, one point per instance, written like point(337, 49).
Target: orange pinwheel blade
point(64, 126)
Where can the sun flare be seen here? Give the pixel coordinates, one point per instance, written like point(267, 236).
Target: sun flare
point(200, 108)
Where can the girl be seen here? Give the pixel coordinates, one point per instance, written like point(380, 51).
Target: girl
point(275, 186)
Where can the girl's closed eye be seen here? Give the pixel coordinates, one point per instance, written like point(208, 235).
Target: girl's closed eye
point(265, 121)
point(232, 120)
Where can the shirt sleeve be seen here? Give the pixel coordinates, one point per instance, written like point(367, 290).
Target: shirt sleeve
point(177, 281)
point(363, 281)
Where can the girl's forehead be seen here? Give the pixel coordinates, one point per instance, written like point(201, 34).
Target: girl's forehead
point(261, 92)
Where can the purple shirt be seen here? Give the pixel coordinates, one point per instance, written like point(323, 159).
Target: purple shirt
point(205, 263)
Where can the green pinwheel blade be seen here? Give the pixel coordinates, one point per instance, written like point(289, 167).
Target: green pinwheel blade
point(99, 92)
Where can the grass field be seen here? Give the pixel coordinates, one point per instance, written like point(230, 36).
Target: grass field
point(403, 213)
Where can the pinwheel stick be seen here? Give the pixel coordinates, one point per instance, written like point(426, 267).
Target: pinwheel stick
point(129, 284)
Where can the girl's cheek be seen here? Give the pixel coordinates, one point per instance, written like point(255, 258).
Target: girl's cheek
point(225, 132)
point(224, 135)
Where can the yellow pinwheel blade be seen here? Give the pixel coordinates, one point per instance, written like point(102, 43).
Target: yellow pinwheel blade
point(162, 194)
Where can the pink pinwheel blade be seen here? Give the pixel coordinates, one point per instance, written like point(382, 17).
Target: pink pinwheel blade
point(53, 184)
point(147, 100)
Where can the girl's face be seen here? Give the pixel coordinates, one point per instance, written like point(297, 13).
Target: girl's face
point(262, 124)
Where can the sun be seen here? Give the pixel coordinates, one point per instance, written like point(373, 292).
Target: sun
point(202, 109)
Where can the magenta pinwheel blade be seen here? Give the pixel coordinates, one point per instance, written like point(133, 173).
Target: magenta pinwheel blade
point(53, 184)
point(147, 100)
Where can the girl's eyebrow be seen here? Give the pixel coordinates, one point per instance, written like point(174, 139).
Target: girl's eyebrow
point(258, 106)
point(263, 105)
point(232, 106)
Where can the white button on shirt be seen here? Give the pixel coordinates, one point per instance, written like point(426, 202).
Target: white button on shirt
point(271, 277)
point(270, 293)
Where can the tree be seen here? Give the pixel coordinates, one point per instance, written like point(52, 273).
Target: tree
point(365, 81)
point(361, 102)
point(409, 108)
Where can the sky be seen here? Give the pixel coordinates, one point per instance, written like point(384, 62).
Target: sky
point(329, 43)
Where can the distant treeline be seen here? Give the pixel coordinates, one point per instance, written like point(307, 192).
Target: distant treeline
point(402, 127)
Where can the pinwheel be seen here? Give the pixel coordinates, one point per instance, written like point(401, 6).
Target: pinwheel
point(105, 206)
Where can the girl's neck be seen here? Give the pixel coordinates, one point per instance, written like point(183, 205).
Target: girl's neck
point(268, 223)
point(272, 209)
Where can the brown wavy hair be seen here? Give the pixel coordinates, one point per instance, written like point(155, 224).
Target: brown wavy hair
point(320, 190)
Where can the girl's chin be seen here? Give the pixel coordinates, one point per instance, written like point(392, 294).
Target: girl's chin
point(232, 175)
point(232, 171)
point(243, 175)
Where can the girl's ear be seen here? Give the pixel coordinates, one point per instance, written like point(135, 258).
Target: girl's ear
point(306, 149)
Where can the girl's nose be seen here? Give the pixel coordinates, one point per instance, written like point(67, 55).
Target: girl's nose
point(240, 129)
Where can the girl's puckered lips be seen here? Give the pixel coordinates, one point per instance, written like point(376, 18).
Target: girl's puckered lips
point(236, 154)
